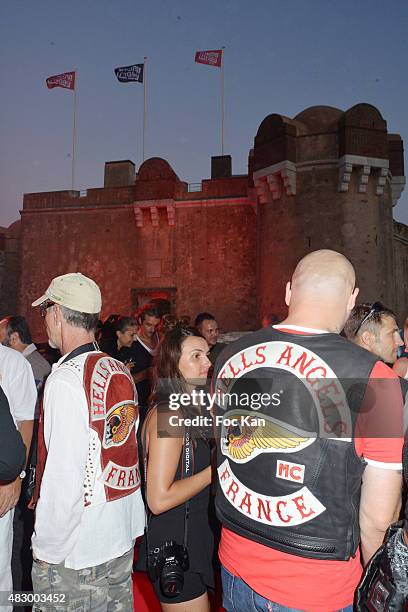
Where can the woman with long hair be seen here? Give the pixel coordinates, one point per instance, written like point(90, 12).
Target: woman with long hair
point(181, 365)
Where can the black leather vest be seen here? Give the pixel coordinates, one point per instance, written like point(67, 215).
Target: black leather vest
point(288, 473)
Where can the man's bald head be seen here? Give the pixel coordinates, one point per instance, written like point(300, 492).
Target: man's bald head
point(322, 290)
point(323, 272)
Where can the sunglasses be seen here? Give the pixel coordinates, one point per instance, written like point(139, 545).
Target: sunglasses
point(377, 307)
point(44, 307)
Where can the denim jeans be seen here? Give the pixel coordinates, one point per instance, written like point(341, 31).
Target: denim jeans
point(239, 597)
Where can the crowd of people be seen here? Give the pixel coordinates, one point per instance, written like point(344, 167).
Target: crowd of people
point(275, 460)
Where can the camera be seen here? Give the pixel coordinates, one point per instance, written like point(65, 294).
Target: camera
point(168, 562)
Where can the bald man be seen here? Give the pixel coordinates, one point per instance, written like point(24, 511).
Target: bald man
point(291, 467)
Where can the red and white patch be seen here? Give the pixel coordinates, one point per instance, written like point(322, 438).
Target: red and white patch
point(120, 477)
point(113, 416)
point(295, 472)
point(279, 511)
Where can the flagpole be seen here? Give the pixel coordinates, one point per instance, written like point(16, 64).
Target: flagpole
point(144, 105)
point(74, 136)
point(222, 100)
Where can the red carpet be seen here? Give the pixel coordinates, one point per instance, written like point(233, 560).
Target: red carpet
point(145, 599)
point(143, 595)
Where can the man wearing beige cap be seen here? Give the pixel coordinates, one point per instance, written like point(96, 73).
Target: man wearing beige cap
point(89, 506)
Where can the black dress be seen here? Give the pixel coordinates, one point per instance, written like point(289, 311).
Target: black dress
point(200, 544)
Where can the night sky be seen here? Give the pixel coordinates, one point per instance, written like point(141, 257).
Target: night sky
point(279, 57)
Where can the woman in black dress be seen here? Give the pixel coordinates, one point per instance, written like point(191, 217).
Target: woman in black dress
point(181, 364)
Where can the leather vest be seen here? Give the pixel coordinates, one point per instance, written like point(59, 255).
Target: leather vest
point(112, 469)
point(288, 473)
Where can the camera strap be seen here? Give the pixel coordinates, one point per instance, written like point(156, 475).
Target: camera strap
point(145, 453)
point(187, 469)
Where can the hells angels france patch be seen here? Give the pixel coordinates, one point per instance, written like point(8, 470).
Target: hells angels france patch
point(113, 415)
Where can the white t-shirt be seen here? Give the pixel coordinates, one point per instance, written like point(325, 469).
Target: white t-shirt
point(17, 382)
point(65, 530)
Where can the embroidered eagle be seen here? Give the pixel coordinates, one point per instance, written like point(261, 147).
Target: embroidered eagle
point(249, 436)
point(119, 423)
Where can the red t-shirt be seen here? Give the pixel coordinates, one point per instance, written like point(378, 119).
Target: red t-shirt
point(316, 585)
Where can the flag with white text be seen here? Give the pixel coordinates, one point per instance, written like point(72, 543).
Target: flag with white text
point(130, 74)
point(65, 80)
point(211, 58)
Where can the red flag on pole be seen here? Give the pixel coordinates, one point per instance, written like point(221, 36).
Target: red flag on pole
point(211, 58)
point(65, 80)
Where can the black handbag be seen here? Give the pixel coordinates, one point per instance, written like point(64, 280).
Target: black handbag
point(384, 585)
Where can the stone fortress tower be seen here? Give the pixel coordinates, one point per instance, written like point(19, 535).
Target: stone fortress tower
point(228, 245)
point(328, 179)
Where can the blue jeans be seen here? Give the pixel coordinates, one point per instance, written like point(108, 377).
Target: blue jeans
point(237, 596)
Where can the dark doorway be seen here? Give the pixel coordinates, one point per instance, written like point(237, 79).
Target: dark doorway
point(163, 297)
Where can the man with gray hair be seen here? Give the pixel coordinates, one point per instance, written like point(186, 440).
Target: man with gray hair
point(89, 506)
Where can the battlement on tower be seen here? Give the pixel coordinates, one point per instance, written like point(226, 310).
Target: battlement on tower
point(355, 142)
point(154, 181)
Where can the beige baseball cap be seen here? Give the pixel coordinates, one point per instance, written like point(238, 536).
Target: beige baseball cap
point(75, 291)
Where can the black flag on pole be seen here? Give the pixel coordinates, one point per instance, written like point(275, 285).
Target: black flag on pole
point(129, 74)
